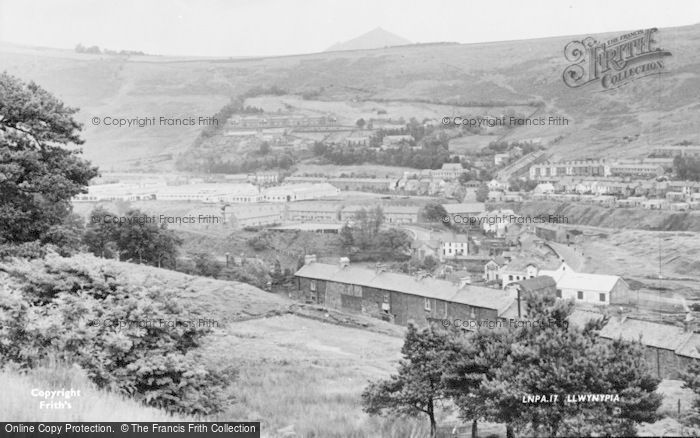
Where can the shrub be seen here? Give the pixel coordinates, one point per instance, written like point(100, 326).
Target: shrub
point(134, 339)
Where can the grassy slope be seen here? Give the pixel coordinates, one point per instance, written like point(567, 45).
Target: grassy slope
point(658, 109)
point(17, 403)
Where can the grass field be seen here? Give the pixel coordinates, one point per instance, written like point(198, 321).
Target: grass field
point(306, 376)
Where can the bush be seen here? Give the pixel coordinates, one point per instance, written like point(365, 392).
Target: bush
point(134, 339)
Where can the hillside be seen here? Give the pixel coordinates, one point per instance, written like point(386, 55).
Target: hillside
point(625, 218)
point(648, 111)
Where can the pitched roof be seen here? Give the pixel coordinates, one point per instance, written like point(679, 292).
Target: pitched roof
point(465, 207)
point(690, 345)
point(579, 318)
point(484, 297)
point(428, 287)
point(595, 282)
point(537, 283)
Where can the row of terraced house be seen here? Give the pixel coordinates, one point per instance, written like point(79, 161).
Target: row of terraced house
point(423, 300)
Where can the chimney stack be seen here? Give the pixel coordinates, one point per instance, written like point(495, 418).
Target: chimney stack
point(308, 259)
point(688, 323)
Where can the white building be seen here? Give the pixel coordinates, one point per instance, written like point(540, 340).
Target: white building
point(299, 192)
point(210, 192)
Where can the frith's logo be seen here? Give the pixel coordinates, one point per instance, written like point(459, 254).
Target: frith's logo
point(615, 62)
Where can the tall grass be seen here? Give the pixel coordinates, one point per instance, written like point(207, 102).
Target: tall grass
point(93, 404)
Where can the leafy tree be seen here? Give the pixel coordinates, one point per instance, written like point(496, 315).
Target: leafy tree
point(392, 244)
point(473, 361)
point(360, 123)
point(482, 193)
point(417, 387)
point(687, 168)
point(435, 212)
point(367, 225)
point(691, 380)
point(429, 263)
point(101, 234)
point(68, 235)
point(205, 265)
point(347, 240)
point(554, 358)
point(133, 236)
point(264, 148)
point(38, 173)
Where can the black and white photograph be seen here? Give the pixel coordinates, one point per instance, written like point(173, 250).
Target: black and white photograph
point(349, 218)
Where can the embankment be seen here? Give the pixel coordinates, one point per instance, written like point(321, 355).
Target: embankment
point(598, 216)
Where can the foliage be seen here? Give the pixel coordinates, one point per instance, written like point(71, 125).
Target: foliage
point(38, 174)
point(417, 387)
point(253, 272)
point(431, 155)
point(260, 242)
point(134, 236)
point(691, 380)
point(687, 168)
point(555, 358)
point(482, 193)
point(205, 265)
point(434, 212)
point(134, 339)
point(521, 185)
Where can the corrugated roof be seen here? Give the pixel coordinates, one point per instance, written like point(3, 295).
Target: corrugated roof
point(653, 334)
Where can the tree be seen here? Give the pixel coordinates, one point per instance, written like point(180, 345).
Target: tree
point(101, 234)
point(555, 358)
point(360, 123)
point(429, 263)
point(133, 236)
point(417, 388)
point(435, 212)
point(482, 193)
point(38, 174)
point(691, 380)
point(367, 225)
point(347, 240)
point(392, 244)
point(205, 265)
point(472, 361)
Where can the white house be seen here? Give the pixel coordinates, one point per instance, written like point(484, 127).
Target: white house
point(589, 288)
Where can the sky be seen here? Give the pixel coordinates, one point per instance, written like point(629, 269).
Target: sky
point(225, 28)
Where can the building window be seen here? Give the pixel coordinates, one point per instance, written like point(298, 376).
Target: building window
point(386, 298)
point(558, 293)
point(312, 285)
point(579, 295)
point(426, 304)
point(601, 297)
point(510, 278)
